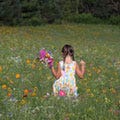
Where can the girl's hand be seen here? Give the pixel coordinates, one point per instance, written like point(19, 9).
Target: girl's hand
point(82, 62)
point(50, 64)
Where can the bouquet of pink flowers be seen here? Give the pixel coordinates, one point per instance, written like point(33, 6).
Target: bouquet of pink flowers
point(46, 57)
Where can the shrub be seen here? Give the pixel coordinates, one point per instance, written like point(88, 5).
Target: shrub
point(34, 21)
point(115, 20)
point(84, 18)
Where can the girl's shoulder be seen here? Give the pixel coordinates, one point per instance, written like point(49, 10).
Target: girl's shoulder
point(74, 62)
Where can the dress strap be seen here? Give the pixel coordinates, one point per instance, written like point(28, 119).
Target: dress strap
point(61, 64)
point(74, 63)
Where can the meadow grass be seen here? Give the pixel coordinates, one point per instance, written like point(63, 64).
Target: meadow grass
point(26, 85)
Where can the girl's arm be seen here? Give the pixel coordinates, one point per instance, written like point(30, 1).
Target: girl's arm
point(56, 73)
point(80, 70)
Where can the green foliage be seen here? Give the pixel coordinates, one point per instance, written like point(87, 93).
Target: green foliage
point(10, 12)
point(115, 20)
point(84, 18)
point(48, 11)
point(31, 13)
point(36, 12)
point(36, 21)
point(102, 10)
point(33, 21)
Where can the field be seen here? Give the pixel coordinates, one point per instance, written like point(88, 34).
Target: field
point(26, 85)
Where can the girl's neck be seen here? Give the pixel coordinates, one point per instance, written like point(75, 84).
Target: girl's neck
point(68, 59)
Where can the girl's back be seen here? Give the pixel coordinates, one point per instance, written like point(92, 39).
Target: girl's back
point(67, 68)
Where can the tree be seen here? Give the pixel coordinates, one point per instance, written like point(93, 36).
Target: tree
point(30, 12)
point(102, 9)
point(36, 12)
point(115, 7)
point(10, 11)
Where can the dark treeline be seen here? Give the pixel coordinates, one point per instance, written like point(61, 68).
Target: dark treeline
point(37, 12)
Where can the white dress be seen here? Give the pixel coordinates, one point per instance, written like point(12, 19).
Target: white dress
point(67, 81)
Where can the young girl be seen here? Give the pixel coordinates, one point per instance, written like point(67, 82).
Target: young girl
point(65, 73)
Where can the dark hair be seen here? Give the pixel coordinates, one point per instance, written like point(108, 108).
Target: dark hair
point(68, 50)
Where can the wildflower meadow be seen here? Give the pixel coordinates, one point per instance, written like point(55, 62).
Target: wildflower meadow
point(26, 84)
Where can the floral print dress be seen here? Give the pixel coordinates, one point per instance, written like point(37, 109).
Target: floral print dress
point(67, 81)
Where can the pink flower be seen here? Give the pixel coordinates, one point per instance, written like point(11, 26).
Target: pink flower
point(46, 57)
point(62, 93)
point(42, 54)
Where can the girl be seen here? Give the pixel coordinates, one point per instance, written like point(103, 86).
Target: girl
point(65, 73)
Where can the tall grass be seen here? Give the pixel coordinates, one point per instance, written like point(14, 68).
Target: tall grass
point(26, 85)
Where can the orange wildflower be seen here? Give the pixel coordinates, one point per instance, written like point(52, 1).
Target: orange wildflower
point(0, 68)
point(47, 55)
point(9, 94)
point(26, 91)
point(17, 75)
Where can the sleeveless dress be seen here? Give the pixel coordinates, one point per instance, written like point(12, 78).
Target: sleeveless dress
point(67, 81)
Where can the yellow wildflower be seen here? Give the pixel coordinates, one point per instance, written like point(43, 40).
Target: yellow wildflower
point(28, 61)
point(23, 101)
point(35, 89)
point(9, 89)
point(4, 86)
point(11, 82)
point(92, 95)
point(107, 100)
point(33, 66)
point(33, 94)
point(88, 90)
point(89, 73)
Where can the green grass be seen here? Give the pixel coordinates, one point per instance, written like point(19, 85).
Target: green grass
point(99, 91)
